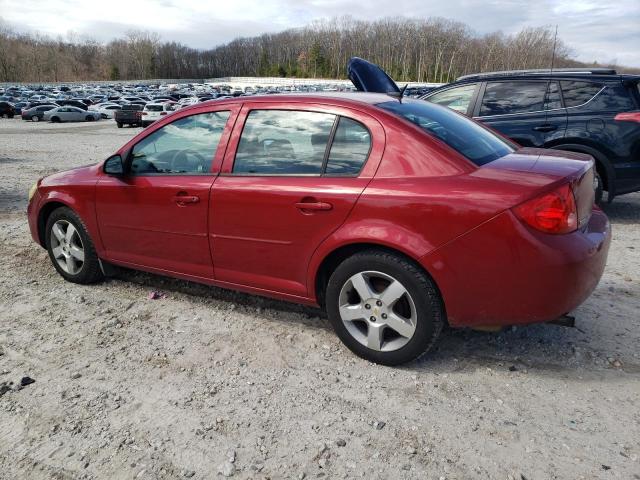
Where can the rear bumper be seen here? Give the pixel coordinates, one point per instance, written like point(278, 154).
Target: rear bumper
point(503, 273)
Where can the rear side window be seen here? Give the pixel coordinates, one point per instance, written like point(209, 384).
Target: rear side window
point(471, 140)
point(457, 98)
point(283, 142)
point(350, 148)
point(578, 93)
point(501, 98)
point(184, 146)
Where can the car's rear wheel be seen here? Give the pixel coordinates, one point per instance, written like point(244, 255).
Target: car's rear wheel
point(89, 118)
point(383, 307)
point(70, 248)
point(119, 124)
point(35, 118)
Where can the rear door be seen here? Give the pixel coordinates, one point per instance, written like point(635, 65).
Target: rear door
point(529, 112)
point(290, 178)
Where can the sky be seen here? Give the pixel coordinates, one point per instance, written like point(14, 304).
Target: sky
point(593, 30)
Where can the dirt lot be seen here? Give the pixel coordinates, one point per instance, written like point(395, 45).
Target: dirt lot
point(209, 383)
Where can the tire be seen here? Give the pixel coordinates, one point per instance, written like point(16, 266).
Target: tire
point(72, 252)
point(35, 118)
point(89, 118)
point(10, 115)
point(599, 188)
point(119, 124)
point(417, 313)
point(55, 120)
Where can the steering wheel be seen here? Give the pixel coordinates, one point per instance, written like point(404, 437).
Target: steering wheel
point(182, 157)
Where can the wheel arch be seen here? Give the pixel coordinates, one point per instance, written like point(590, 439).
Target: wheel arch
point(334, 257)
point(43, 215)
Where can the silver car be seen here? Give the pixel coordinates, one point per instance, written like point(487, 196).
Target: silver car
point(70, 114)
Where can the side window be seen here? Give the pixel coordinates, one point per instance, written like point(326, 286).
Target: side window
point(283, 142)
point(185, 146)
point(578, 93)
point(457, 98)
point(350, 148)
point(501, 98)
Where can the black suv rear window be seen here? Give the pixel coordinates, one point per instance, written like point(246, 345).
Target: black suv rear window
point(578, 93)
point(468, 138)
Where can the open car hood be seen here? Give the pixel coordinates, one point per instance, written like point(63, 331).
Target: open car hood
point(369, 77)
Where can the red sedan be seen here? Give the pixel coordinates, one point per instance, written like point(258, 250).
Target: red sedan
point(395, 216)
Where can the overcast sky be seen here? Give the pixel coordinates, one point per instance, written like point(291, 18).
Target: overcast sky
point(594, 30)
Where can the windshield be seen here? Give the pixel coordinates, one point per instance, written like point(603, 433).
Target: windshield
point(476, 143)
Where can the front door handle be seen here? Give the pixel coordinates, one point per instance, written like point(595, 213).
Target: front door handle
point(314, 206)
point(545, 128)
point(183, 199)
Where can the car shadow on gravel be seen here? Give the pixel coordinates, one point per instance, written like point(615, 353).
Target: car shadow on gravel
point(199, 292)
point(544, 348)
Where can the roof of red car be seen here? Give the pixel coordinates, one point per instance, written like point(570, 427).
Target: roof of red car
point(346, 97)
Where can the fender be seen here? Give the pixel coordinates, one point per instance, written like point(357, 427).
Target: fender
point(600, 158)
point(82, 202)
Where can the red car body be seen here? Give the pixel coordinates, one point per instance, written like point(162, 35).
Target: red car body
point(415, 195)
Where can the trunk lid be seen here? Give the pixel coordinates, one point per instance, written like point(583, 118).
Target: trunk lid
point(545, 170)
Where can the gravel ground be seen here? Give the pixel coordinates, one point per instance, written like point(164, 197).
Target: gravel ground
point(208, 383)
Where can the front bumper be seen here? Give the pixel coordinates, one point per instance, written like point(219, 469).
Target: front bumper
point(504, 273)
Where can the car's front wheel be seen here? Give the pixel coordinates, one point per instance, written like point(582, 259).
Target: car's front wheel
point(70, 248)
point(384, 307)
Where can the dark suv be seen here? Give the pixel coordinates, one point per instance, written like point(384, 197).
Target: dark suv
point(594, 111)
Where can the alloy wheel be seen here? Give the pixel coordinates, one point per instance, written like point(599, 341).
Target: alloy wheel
point(67, 247)
point(378, 311)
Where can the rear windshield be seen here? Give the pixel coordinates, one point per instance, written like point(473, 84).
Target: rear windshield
point(154, 108)
point(475, 142)
point(132, 107)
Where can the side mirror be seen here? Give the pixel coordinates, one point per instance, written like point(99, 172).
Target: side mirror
point(114, 166)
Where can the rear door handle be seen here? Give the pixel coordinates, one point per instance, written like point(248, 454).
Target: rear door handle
point(315, 206)
point(182, 199)
point(545, 128)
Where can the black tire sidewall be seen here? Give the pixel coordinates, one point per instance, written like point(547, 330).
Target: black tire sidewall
point(90, 271)
point(426, 300)
point(599, 193)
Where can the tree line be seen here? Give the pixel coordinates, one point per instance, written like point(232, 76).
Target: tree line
point(423, 50)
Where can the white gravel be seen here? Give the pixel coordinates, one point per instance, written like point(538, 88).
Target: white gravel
point(209, 383)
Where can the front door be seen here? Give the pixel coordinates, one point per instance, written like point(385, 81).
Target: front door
point(293, 180)
point(156, 215)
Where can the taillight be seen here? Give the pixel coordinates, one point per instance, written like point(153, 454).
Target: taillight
point(628, 117)
point(554, 212)
point(144, 113)
point(163, 113)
